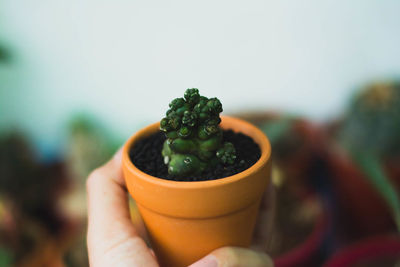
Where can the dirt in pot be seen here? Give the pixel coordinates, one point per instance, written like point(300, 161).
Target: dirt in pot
point(146, 156)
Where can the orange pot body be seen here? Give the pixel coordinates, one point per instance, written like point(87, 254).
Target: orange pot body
point(187, 220)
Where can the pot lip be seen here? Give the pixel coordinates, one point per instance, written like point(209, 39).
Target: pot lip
point(263, 143)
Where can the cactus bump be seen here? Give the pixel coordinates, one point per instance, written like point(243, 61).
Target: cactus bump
point(194, 139)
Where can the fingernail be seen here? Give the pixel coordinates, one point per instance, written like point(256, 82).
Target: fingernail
point(208, 261)
point(118, 155)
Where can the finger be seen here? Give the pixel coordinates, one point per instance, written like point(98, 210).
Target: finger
point(111, 237)
point(234, 257)
point(265, 222)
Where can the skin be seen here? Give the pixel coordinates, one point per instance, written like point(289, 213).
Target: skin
point(113, 240)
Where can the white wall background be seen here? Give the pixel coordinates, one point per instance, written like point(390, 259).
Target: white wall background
point(124, 60)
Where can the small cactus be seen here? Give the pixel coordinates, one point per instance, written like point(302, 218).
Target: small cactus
point(194, 138)
point(371, 134)
point(372, 122)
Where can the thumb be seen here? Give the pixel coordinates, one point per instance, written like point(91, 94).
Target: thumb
point(234, 257)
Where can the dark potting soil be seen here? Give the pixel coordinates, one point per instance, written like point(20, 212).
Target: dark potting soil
point(146, 156)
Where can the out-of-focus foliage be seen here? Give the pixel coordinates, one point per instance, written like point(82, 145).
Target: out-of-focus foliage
point(89, 145)
point(284, 139)
point(16, 165)
point(29, 196)
point(370, 132)
point(25, 181)
point(372, 122)
point(5, 55)
point(5, 257)
point(372, 168)
point(43, 205)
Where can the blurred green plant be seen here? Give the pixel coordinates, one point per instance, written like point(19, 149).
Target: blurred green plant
point(5, 55)
point(277, 128)
point(5, 257)
point(29, 193)
point(371, 133)
point(89, 145)
point(372, 122)
point(194, 138)
point(372, 169)
point(287, 141)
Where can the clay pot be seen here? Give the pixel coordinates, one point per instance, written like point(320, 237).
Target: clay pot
point(187, 220)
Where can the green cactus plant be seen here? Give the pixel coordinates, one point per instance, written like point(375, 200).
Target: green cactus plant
point(194, 139)
point(371, 134)
point(372, 122)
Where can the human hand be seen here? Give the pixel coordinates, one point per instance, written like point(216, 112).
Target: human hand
point(113, 240)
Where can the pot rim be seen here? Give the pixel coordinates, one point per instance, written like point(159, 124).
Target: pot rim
point(251, 130)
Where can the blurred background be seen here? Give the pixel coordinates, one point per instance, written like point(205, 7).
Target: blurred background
point(77, 78)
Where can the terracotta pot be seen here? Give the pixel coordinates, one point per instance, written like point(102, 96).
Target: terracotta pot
point(187, 220)
point(376, 251)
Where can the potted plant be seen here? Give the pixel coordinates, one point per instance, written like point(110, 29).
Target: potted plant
point(365, 161)
point(212, 179)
